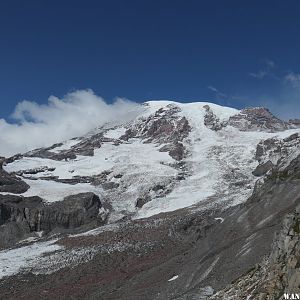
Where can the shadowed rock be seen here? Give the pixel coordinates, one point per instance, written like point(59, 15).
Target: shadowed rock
point(211, 120)
point(295, 122)
point(175, 150)
point(11, 184)
point(22, 215)
point(263, 168)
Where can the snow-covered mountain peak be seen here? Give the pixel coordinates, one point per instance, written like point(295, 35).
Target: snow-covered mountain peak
point(193, 109)
point(173, 155)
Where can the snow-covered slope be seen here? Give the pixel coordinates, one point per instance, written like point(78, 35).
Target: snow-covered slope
point(172, 156)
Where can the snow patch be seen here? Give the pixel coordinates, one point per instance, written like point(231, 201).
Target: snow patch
point(13, 261)
point(115, 133)
point(220, 219)
point(52, 191)
point(97, 231)
point(173, 278)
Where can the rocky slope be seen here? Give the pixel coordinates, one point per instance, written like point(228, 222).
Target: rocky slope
point(140, 210)
point(278, 273)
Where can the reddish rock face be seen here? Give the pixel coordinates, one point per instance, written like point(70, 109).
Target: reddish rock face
point(257, 119)
point(162, 127)
point(258, 111)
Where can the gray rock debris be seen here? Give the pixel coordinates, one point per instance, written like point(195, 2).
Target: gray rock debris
point(279, 273)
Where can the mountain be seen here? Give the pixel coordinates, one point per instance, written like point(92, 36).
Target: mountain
point(185, 201)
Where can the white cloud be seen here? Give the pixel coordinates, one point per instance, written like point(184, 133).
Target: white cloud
point(293, 79)
point(269, 65)
point(260, 74)
point(218, 93)
point(212, 88)
point(74, 115)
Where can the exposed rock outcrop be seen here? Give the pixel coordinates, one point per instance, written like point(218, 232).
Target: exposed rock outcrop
point(295, 122)
point(162, 127)
point(275, 151)
point(11, 184)
point(141, 201)
point(257, 119)
point(176, 150)
point(45, 153)
point(211, 120)
point(263, 168)
point(23, 215)
point(85, 147)
point(33, 171)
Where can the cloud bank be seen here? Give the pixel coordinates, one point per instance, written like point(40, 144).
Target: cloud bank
point(60, 119)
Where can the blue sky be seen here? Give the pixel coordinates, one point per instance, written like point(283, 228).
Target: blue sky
point(235, 53)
